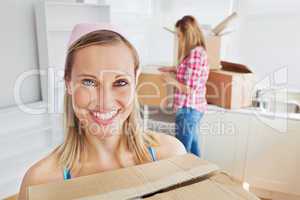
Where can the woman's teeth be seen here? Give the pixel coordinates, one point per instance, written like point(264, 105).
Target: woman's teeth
point(104, 115)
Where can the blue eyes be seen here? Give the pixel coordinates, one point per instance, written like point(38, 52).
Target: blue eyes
point(120, 82)
point(88, 82)
point(93, 83)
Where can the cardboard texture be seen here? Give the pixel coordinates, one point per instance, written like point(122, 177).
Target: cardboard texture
point(153, 90)
point(230, 87)
point(213, 42)
point(223, 24)
point(180, 177)
point(217, 187)
point(213, 46)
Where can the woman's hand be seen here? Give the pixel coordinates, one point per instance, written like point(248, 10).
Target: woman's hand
point(168, 78)
point(167, 69)
point(172, 81)
point(186, 89)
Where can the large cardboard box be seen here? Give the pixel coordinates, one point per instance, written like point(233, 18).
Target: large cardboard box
point(152, 89)
point(230, 87)
point(183, 177)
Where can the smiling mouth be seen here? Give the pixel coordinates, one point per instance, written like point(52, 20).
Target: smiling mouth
point(104, 118)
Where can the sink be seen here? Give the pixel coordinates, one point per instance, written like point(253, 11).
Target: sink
point(277, 107)
point(277, 101)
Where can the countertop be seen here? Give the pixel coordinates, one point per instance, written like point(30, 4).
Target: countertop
point(254, 111)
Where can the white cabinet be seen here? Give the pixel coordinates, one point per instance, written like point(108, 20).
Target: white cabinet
point(262, 151)
point(24, 139)
point(273, 156)
point(224, 140)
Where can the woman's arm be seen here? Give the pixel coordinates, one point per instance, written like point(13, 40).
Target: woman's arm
point(197, 69)
point(30, 178)
point(43, 171)
point(169, 146)
point(171, 69)
point(180, 86)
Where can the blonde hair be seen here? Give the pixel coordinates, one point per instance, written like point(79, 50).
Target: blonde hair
point(70, 152)
point(190, 37)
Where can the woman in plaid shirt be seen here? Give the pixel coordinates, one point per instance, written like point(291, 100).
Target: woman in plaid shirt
point(191, 76)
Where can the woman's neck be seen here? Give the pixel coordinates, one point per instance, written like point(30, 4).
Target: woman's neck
point(103, 150)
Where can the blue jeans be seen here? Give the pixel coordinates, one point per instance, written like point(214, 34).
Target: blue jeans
point(187, 128)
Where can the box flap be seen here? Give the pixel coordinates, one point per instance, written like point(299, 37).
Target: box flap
point(223, 24)
point(234, 67)
point(232, 187)
point(127, 183)
point(220, 187)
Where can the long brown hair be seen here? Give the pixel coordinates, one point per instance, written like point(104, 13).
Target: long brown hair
point(190, 36)
point(70, 152)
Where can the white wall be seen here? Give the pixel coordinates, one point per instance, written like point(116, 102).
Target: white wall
point(269, 39)
point(145, 19)
point(206, 12)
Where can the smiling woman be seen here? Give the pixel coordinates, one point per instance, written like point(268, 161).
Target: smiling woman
point(101, 111)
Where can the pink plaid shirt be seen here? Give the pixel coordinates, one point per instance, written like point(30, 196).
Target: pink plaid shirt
point(193, 71)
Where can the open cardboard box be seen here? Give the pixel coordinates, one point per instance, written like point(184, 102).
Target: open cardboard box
point(230, 87)
point(181, 177)
point(213, 42)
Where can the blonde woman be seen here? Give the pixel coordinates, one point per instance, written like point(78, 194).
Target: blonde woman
point(101, 113)
point(191, 76)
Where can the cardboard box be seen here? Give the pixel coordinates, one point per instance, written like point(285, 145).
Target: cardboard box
point(213, 42)
point(181, 177)
point(230, 87)
point(213, 46)
point(152, 89)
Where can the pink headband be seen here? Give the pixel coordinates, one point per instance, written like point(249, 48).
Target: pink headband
point(82, 29)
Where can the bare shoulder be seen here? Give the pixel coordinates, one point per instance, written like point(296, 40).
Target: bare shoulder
point(43, 171)
point(168, 146)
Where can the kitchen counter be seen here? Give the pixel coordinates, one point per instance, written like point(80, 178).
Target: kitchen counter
point(216, 109)
point(255, 111)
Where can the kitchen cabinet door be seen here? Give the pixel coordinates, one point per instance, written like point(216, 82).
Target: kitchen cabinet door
point(273, 155)
point(223, 138)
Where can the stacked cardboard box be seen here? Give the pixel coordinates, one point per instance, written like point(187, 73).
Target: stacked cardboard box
point(183, 177)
